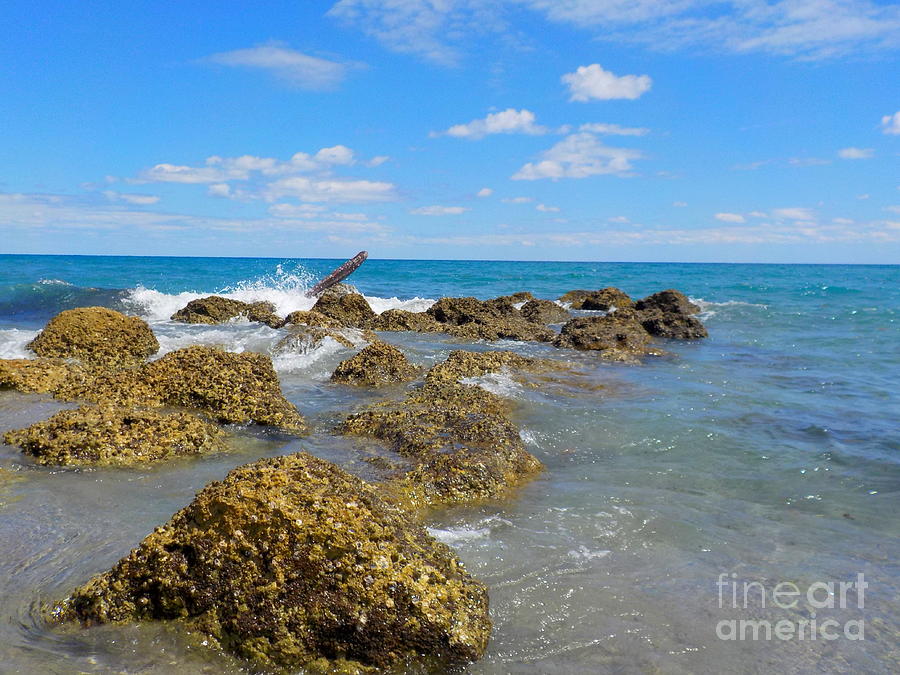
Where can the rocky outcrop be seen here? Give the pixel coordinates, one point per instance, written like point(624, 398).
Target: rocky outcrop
point(96, 336)
point(669, 314)
point(231, 388)
point(515, 298)
point(473, 319)
point(403, 320)
point(461, 364)
point(462, 445)
point(292, 562)
point(377, 365)
point(618, 336)
point(544, 312)
point(302, 339)
point(111, 435)
point(35, 376)
point(309, 318)
point(350, 309)
point(604, 300)
point(216, 309)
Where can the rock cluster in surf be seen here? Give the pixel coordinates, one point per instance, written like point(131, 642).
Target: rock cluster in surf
point(377, 365)
point(216, 309)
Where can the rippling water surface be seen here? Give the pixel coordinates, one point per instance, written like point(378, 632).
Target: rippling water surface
point(768, 453)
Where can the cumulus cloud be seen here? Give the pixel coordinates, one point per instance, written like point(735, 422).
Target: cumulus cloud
point(547, 209)
point(794, 213)
point(579, 156)
point(484, 192)
point(330, 190)
point(855, 153)
point(679, 204)
point(439, 210)
point(130, 198)
point(291, 67)
point(731, 218)
point(509, 121)
point(517, 200)
point(890, 124)
point(592, 83)
point(613, 129)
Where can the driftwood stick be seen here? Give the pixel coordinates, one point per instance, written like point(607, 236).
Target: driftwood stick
point(338, 275)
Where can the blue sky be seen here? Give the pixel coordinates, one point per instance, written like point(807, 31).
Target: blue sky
point(690, 130)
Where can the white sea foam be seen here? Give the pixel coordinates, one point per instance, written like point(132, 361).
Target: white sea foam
point(53, 282)
point(416, 304)
point(234, 337)
point(13, 341)
point(500, 383)
point(709, 309)
point(292, 362)
point(455, 535)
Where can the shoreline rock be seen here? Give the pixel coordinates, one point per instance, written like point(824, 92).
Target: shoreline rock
point(215, 309)
point(604, 299)
point(350, 309)
point(377, 365)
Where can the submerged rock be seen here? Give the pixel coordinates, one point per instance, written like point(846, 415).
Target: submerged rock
point(291, 560)
point(604, 300)
point(403, 320)
point(309, 318)
point(216, 309)
point(232, 388)
point(544, 312)
point(107, 435)
point(376, 365)
point(35, 376)
point(618, 336)
point(302, 339)
point(669, 314)
point(463, 446)
point(350, 309)
point(96, 335)
point(461, 364)
point(472, 319)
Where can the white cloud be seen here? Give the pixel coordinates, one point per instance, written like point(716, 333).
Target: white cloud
point(890, 124)
point(892, 209)
point(484, 192)
point(679, 204)
point(176, 173)
point(377, 161)
point(808, 161)
point(292, 67)
point(614, 129)
point(219, 190)
point(439, 210)
point(579, 156)
point(509, 121)
point(863, 196)
point(517, 200)
point(731, 218)
point(794, 213)
point(593, 83)
point(330, 190)
point(547, 209)
point(855, 153)
point(137, 199)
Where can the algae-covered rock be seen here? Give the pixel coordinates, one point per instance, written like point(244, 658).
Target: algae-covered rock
point(618, 336)
point(544, 312)
point(515, 298)
point(34, 376)
point(668, 301)
point(290, 562)
point(302, 339)
point(376, 365)
point(232, 388)
point(216, 309)
point(461, 364)
point(669, 314)
point(309, 318)
point(604, 300)
point(108, 435)
point(472, 319)
point(350, 309)
point(96, 335)
point(403, 320)
point(464, 447)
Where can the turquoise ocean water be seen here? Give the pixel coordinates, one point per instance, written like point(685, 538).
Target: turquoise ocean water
point(768, 453)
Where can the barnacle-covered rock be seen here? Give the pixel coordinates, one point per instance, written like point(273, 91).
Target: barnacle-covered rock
point(232, 388)
point(350, 309)
point(96, 335)
point(403, 320)
point(604, 300)
point(376, 365)
point(618, 336)
point(107, 435)
point(216, 309)
point(292, 562)
point(472, 319)
point(544, 312)
point(310, 318)
point(463, 446)
point(35, 376)
point(461, 364)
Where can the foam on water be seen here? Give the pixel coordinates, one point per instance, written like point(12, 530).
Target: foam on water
point(13, 341)
point(500, 383)
point(416, 304)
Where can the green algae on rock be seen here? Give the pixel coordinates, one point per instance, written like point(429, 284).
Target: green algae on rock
point(544, 312)
point(464, 446)
point(111, 435)
point(96, 335)
point(311, 318)
point(472, 319)
point(403, 320)
point(232, 388)
point(35, 376)
point(216, 309)
point(377, 365)
point(350, 309)
point(604, 300)
point(463, 363)
point(290, 562)
point(618, 336)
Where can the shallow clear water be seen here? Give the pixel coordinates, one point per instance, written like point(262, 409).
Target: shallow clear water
point(770, 451)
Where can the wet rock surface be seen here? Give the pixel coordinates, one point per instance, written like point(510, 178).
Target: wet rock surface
point(377, 365)
point(669, 301)
point(216, 309)
point(618, 336)
point(303, 339)
point(350, 309)
point(603, 300)
point(310, 318)
point(472, 319)
point(112, 435)
point(290, 562)
point(669, 314)
point(35, 376)
point(96, 335)
point(403, 320)
point(461, 364)
point(544, 312)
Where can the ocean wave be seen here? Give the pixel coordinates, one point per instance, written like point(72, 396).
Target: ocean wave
point(13, 341)
point(54, 282)
point(233, 337)
point(709, 309)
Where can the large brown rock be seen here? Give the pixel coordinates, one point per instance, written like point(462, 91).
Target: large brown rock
point(669, 301)
point(544, 312)
point(97, 336)
point(377, 365)
point(216, 309)
point(669, 314)
point(293, 562)
point(618, 336)
point(461, 364)
point(35, 376)
point(403, 320)
point(472, 319)
point(604, 300)
point(111, 435)
point(350, 309)
point(309, 318)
